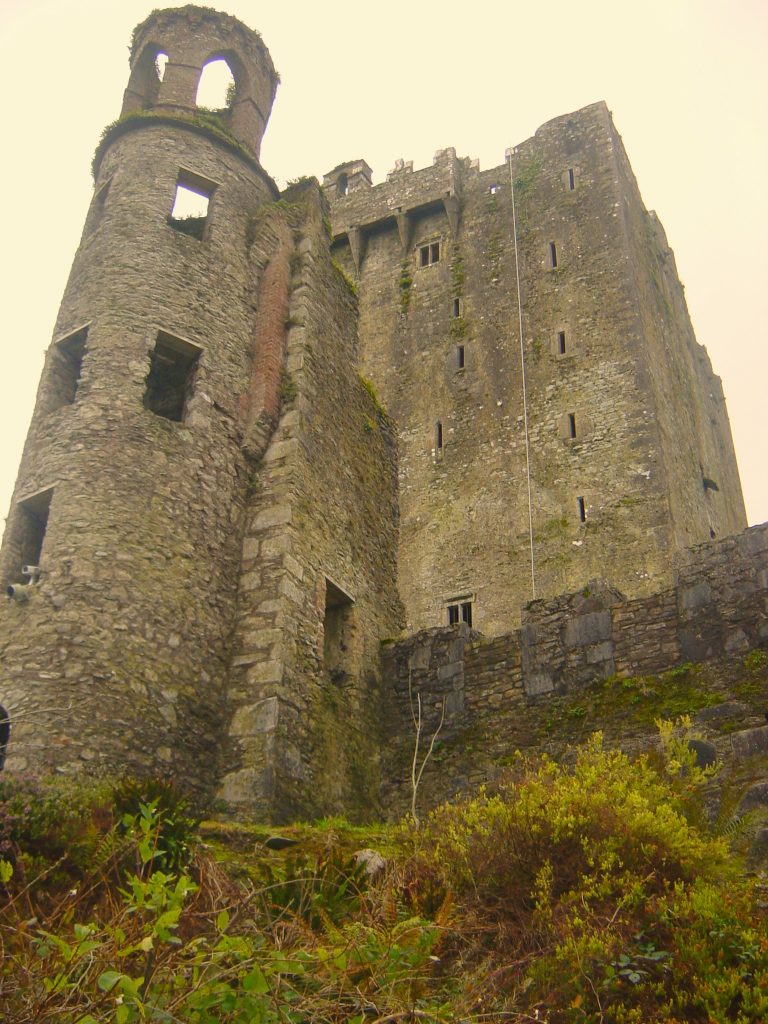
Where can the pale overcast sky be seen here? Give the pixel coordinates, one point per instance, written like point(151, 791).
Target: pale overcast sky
point(687, 81)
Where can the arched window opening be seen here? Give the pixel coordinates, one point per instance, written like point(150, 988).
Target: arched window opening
point(216, 88)
point(342, 185)
point(161, 60)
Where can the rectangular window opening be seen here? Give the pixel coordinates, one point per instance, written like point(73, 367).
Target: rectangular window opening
point(191, 204)
point(582, 510)
point(29, 532)
point(429, 254)
point(172, 365)
point(337, 632)
point(493, 189)
point(552, 255)
point(572, 424)
point(571, 179)
point(460, 356)
point(457, 307)
point(561, 343)
point(66, 364)
point(438, 435)
point(459, 610)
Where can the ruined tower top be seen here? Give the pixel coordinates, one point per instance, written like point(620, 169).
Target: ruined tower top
point(191, 37)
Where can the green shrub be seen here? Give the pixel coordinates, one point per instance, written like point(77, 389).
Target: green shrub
point(157, 808)
point(51, 822)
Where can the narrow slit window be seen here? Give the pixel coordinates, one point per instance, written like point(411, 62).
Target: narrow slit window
point(561, 349)
point(191, 205)
point(338, 626)
point(29, 532)
point(582, 510)
point(552, 255)
point(457, 307)
point(172, 365)
point(571, 424)
point(460, 357)
point(429, 254)
point(571, 180)
point(438, 435)
point(66, 368)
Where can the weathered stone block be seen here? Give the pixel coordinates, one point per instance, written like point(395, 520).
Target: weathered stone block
point(588, 629)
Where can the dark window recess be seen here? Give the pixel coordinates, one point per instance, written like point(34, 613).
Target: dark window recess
point(460, 356)
point(571, 424)
point(493, 189)
point(171, 376)
point(460, 611)
point(337, 628)
point(571, 179)
point(552, 255)
point(29, 530)
point(438, 435)
point(191, 205)
point(342, 185)
point(457, 307)
point(582, 510)
point(66, 363)
point(561, 343)
point(429, 254)
point(5, 734)
point(709, 485)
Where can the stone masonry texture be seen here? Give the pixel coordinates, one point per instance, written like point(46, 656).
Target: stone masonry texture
point(282, 452)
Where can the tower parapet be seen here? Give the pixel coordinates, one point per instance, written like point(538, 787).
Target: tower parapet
point(191, 37)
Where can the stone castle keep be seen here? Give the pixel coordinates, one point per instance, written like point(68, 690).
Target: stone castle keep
point(275, 442)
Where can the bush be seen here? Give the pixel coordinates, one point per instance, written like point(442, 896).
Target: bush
point(586, 894)
point(51, 823)
point(156, 808)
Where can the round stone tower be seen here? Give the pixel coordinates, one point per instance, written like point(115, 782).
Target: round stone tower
point(122, 546)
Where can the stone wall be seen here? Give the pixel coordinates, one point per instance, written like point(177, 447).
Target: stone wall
point(119, 656)
point(318, 586)
point(575, 661)
point(441, 342)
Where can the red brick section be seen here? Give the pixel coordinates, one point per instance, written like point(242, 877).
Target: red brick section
point(269, 336)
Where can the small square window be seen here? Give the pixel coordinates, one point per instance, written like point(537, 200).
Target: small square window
point(191, 204)
point(460, 610)
point(429, 254)
point(171, 375)
point(493, 189)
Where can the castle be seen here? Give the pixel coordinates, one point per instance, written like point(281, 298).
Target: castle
point(271, 437)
